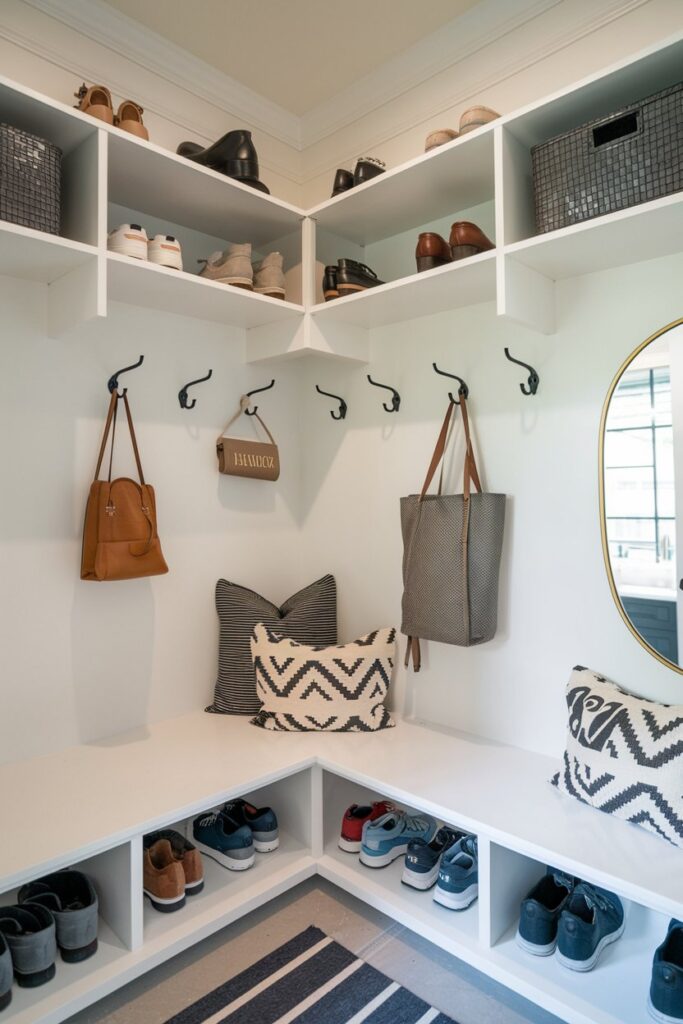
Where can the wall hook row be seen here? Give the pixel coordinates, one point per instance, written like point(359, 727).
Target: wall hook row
point(395, 397)
point(257, 391)
point(343, 408)
point(182, 394)
point(534, 380)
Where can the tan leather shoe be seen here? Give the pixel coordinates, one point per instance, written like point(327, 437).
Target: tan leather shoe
point(96, 101)
point(163, 878)
point(439, 137)
point(129, 119)
point(467, 239)
point(431, 251)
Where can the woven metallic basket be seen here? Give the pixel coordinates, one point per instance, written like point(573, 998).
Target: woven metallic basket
point(30, 180)
point(630, 157)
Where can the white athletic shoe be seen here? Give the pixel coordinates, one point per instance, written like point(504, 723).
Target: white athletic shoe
point(164, 250)
point(128, 240)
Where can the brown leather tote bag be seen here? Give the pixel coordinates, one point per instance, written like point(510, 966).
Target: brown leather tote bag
point(120, 540)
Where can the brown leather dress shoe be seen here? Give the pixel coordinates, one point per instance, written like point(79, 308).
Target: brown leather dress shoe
point(467, 240)
point(431, 251)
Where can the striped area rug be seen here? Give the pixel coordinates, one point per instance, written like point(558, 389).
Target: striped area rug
point(310, 980)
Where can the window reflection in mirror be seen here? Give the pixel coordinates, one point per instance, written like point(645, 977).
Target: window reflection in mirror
point(642, 463)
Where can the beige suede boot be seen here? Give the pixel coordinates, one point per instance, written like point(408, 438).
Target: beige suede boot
point(230, 267)
point(269, 278)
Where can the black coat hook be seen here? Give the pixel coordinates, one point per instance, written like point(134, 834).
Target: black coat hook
point(463, 390)
point(395, 397)
point(341, 415)
point(113, 382)
point(534, 379)
point(252, 412)
point(182, 394)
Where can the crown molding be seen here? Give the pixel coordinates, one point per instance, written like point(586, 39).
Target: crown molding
point(395, 125)
point(128, 38)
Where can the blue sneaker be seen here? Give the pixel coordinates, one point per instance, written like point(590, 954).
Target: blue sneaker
point(665, 1002)
point(458, 883)
point(387, 837)
point(540, 913)
point(223, 840)
point(421, 868)
point(591, 920)
point(261, 820)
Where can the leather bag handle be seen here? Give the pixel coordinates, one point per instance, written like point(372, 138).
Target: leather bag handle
point(439, 449)
point(471, 473)
point(110, 425)
point(244, 404)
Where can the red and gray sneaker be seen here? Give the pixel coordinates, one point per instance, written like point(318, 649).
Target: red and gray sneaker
point(354, 818)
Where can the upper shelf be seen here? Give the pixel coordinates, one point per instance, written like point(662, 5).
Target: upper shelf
point(146, 177)
point(37, 256)
point(453, 177)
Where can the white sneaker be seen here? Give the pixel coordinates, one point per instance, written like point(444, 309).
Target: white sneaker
point(164, 250)
point(128, 240)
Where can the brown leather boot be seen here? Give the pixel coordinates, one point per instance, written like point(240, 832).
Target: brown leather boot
point(163, 878)
point(431, 251)
point(467, 240)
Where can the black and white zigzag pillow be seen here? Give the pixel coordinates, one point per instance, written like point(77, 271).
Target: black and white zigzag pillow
point(327, 689)
point(624, 755)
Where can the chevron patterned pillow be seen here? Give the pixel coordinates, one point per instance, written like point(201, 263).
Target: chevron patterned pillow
point(624, 755)
point(327, 689)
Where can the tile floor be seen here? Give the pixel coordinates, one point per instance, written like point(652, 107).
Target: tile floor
point(468, 996)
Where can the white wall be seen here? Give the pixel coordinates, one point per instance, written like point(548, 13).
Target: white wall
point(82, 661)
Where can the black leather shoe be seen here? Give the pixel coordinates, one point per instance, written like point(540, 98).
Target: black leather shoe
point(367, 168)
point(343, 181)
point(234, 155)
point(353, 276)
point(330, 284)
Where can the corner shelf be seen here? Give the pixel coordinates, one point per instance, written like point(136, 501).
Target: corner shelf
point(463, 283)
point(38, 256)
point(148, 285)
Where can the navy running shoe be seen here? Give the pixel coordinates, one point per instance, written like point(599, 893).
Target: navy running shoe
point(421, 868)
point(540, 913)
point(665, 1003)
point(591, 920)
point(458, 883)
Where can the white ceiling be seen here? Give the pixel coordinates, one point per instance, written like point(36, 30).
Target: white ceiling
point(297, 53)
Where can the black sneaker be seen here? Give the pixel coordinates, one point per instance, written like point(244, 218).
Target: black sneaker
point(72, 902)
point(665, 1003)
point(343, 181)
point(368, 167)
point(540, 913)
point(353, 276)
point(330, 290)
point(30, 935)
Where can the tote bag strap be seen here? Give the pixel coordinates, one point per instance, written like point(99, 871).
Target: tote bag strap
point(244, 405)
point(110, 425)
point(439, 449)
point(471, 473)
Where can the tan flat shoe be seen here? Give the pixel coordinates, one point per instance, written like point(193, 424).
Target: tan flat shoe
point(439, 137)
point(95, 101)
point(129, 119)
point(475, 117)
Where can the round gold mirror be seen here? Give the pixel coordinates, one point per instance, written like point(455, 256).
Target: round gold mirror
point(641, 490)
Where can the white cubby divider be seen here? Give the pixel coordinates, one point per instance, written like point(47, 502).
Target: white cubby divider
point(501, 794)
point(105, 168)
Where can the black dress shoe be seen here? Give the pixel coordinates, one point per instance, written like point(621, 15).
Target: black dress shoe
point(367, 168)
point(343, 181)
point(353, 276)
point(234, 155)
point(330, 284)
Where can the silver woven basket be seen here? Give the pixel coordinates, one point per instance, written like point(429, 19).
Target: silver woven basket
point(30, 180)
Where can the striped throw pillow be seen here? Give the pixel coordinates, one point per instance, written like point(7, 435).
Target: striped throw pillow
point(327, 689)
point(624, 755)
point(310, 616)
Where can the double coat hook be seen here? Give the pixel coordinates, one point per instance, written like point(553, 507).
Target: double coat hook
point(182, 394)
point(113, 382)
point(343, 408)
point(257, 391)
point(395, 397)
point(463, 390)
point(533, 381)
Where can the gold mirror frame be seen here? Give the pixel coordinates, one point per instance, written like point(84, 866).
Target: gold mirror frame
point(601, 481)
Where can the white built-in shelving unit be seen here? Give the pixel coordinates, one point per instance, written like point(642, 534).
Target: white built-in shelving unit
point(132, 784)
point(109, 175)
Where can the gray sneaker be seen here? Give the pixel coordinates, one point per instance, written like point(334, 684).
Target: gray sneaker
point(230, 267)
point(269, 278)
point(30, 935)
point(72, 901)
point(5, 974)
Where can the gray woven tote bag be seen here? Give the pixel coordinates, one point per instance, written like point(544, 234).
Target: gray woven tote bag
point(451, 556)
